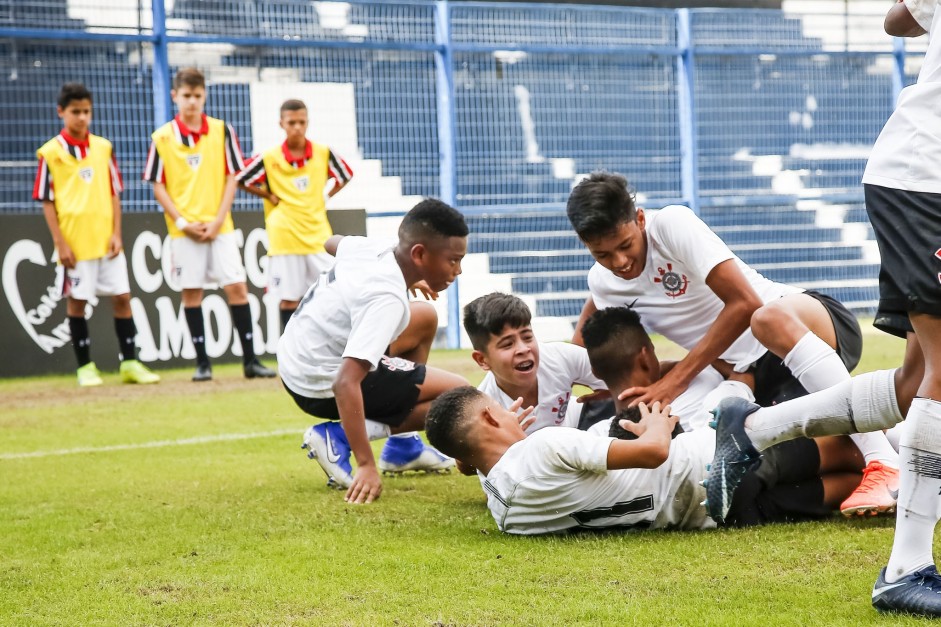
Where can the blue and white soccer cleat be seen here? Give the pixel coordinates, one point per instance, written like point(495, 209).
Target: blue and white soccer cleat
point(735, 456)
point(918, 593)
point(410, 453)
point(327, 444)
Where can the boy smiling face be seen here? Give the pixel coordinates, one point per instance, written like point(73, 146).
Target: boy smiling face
point(512, 356)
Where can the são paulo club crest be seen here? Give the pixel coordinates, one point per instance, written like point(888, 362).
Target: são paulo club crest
point(86, 174)
point(302, 183)
point(193, 161)
point(674, 284)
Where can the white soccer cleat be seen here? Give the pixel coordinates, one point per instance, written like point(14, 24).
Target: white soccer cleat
point(327, 444)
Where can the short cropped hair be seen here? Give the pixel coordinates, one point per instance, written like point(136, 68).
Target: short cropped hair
point(613, 337)
point(599, 204)
point(190, 77)
point(449, 418)
point(72, 91)
point(293, 105)
point(490, 314)
point(632, 414)
point(431, 219)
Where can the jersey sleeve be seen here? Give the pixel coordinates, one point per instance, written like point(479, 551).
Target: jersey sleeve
point(579, 367)
point(686, 238)
point(374, 325)
point(234, 161)
point(117, 182)
point(253, 173)
point(923, 11)
point(568, 449)
point(338, 169)
point(42, 186)
point(153, 169)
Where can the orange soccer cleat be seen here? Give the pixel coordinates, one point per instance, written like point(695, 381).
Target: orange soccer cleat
point(877, 492)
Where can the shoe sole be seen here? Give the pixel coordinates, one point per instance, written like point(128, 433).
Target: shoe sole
point(91, 385)
point(867, 510)
point(730, 463)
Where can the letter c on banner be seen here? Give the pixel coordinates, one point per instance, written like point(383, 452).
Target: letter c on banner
point(255, 268)
point(147, 281)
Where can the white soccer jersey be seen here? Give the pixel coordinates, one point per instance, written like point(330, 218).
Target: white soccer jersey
point(561, 366)
point(671, 295)
point(355, 310)
point(907, 154)
point(557, 479)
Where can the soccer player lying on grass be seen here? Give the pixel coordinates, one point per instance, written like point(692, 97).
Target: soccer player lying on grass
point(807, 480)
point(688, 285)
point(334, 356)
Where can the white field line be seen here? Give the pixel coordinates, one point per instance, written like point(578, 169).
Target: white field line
point(203, 439)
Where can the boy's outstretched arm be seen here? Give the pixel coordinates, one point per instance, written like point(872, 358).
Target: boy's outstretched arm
point(367, 486)
point(652, 446)
point(587, 309)
point(739, 303)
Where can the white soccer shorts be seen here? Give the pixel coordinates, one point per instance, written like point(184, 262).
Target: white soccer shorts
point(198, 265)
point(289, 276)
point(97, 277)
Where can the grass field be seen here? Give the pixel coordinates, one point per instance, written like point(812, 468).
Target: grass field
point(118, 506)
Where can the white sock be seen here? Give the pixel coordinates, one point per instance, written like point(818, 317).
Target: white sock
point(862, 404)
point(377, 430)
point(817, 366)
point(894, 434)
point(409, 434)
point(919, 487)
point(875, 447)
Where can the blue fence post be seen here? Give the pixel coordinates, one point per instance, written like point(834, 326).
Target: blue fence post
point(898, 75)
point(161, 71)
point(686, 101)
point(447, 148)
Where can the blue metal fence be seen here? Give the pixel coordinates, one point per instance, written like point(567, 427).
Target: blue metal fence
point(496, 107)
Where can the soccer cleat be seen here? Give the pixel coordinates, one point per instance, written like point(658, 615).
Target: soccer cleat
point(88, 375)
point(877, 492)
point(327, 444)
point(918, 593)
point(410, 453)
point(255, 370)
point(133, 371)
point(203, 372)
point(735, 456)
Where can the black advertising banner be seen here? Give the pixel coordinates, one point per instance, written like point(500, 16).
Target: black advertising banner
point(35, 332)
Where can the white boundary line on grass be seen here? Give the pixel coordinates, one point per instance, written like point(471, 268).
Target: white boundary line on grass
point(204, 439)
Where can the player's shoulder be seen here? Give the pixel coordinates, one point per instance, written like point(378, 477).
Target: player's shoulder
point(163, 132)
point(98, 140)
point(51, 144)
point(669, 216)
point(561, 353)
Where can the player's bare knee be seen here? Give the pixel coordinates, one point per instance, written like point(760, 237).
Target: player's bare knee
point(424, 320)
point(122, 305)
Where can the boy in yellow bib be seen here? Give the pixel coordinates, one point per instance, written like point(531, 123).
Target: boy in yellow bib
point(192, 164)
point(291, 179)
point(78, 183)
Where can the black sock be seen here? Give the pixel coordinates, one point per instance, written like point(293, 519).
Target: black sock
point(194, 320)
point(126, 331)
point(80, 340)
point(242, 319)
point(285, 316)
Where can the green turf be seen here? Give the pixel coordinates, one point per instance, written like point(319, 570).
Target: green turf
point(244, 532)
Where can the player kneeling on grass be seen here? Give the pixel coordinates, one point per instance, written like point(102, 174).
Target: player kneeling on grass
point(337, 354)
point(78, 183)
point(805, 480)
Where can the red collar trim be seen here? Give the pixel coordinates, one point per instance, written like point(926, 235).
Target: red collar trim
point(308, 153)
point(185, 130)
point(71, 141)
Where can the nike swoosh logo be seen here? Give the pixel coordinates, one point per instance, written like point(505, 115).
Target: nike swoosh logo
point(891, 586)
point(332, 455)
